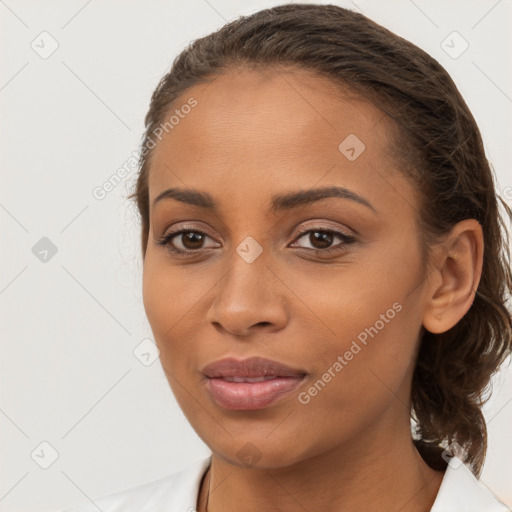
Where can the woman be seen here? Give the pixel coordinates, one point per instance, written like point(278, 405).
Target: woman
point(323, 262)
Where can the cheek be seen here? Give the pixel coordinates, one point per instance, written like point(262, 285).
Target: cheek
point(165, 304)
point(156, 297)
point(175, 307)
point(358, 382)
point(373, 329)
point(169, 296)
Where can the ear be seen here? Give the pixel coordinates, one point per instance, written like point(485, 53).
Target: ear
point(458, 267)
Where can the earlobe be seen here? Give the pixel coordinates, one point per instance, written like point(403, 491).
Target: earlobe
point(458, 264)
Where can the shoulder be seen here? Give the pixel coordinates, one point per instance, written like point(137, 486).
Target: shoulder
point(177, 491)
point(461, 491)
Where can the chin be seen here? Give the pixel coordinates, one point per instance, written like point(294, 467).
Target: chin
point(259, 452)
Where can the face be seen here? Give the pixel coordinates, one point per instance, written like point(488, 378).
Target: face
point(330, 286)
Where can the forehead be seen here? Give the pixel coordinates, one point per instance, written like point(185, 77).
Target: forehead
point(256, 130)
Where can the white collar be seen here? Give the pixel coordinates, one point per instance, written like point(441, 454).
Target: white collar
point(460, 491)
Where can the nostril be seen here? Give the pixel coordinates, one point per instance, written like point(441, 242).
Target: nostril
point(261, 324)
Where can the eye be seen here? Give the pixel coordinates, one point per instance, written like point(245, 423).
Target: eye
point(187, 241)
point(322, 239)
point(184, 241)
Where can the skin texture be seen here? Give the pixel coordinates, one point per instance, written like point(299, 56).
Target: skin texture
point(254, 134)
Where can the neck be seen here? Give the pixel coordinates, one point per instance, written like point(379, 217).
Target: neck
point(369, 475)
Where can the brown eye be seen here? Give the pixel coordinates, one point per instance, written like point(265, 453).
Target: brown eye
point(184, 241)
point(192, 240)
point(321, 240)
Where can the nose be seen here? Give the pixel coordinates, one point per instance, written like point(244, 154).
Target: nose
point(250, 298)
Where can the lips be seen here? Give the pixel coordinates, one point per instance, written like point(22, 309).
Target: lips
point(250, 384)
point(254, 367)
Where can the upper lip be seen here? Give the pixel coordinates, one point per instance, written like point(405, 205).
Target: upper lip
point(252, 367)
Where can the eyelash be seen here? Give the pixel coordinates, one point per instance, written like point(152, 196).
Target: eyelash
point(346, 240)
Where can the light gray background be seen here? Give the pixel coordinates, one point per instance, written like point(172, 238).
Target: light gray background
point(68, 374)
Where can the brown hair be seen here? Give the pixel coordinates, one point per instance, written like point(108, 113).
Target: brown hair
point(438, 145)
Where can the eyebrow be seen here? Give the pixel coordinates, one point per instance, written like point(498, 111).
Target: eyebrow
point(281, 202)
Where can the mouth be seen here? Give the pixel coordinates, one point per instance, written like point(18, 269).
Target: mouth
point(250, 384)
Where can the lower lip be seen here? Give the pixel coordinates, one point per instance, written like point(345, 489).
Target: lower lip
point(246, 396)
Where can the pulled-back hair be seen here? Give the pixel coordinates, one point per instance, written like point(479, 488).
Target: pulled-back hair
point(437, 144)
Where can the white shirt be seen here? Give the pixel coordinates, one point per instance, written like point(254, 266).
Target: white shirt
point(460, 491)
